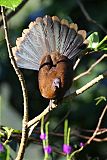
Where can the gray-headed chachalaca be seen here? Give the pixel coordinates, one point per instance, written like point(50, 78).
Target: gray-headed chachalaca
point(50, 45)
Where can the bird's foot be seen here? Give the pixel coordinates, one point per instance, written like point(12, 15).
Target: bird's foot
point(52, 104)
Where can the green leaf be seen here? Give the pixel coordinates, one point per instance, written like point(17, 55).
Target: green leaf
point(102, 44)
point(93, 40)
point(100, 99)
point(10, 3)
point(17, 131)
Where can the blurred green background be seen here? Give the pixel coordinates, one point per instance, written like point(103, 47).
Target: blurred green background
point(83, 112)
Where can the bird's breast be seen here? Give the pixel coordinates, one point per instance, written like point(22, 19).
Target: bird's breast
point(53, 67)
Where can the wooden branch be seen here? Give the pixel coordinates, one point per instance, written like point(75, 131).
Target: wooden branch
point(94, 139)
point(12, 13)
point(88, 18)
point(51, 106)
point(100, 131)
point(93, 136)
point(77, 92)
point(91, 67)
point(98, 125)
point(24, 90)
point(87, 86)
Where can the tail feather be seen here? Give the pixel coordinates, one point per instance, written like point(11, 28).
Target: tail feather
point(56, 26)
point(47, 35)
point(69, 40)
point(74, 26)
point(42, 35)
point(49, 32)
point(22, 61)
point(74, 48)
point(63, 34)
point(75, 44)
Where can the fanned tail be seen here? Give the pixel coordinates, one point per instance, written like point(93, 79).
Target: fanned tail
point(47, 35)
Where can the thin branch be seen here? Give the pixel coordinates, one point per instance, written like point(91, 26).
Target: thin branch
point(24, 90)
point(87, 86)
point(76, 63)
point(93, 136)
point(94, 139)
point(38, 118)
point(91, 67)
point(88, 18)
point(77, 92)
point(100, 131)
point(12, 13)
point(79, 76)
point(98, 125)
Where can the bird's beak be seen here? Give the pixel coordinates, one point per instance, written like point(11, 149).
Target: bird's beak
point(57, 85)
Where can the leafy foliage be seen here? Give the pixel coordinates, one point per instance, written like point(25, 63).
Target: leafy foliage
point(93, 40)
point(95, 44)
point(10, 3)
point(100, 99)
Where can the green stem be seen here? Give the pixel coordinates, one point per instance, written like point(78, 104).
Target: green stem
point(68, 140)
point(65, 131)
point(77, 151)
point(46, 141)
point(68, 136)
point(46, 131)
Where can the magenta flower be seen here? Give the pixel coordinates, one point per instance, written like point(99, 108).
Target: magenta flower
point(81, 144)
point(48, 149)
point(67, 149)
point(1, 148)
point(43, 136)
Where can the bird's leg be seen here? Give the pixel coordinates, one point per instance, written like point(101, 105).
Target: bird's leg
point(52, 104)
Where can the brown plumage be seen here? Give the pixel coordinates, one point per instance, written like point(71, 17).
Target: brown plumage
point(50, 46)
point(55, 75)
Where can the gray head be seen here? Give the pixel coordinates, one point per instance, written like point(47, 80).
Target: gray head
point(56, 83)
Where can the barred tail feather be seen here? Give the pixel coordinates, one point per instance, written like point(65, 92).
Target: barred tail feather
point(56, 27)
point(47, 35)
point(63, 33)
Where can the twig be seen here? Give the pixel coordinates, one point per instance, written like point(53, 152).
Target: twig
point(98, 125)
point(77, 92)
point(76, 63)
point(100, 131)
point(24, 90)
point(12, 13)
point(88, 18)
point(87, 86)
point(79, 76)
point(93, 136)
point(90, 69)
point(38, 118)
point(94, 139)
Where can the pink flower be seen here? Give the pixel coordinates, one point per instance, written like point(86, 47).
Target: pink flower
point(43, 136)
point(81, 144)
point(1, 148)
point(48, 149)
point(67, 149)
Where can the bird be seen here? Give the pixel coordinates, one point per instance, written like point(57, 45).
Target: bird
point(51, 45)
